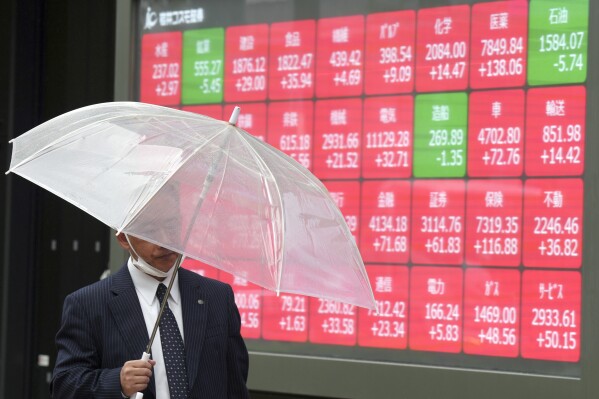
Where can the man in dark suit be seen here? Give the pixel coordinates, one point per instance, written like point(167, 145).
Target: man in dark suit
point(106, 326)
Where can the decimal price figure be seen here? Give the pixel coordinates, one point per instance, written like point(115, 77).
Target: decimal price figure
point(387, 138)
point(337, 138)
point(436, 309)
point(499, 44)
point(161, 68)
point(492, 312)
point(558, 42)
point(247, 63)
point(553, 223)
point(290, 129)
point(390, 46)
point(285, 317)
point(556, 131)
point(551, 315)
point(494, 222)
point(203, 66)
point(496, 133)
point(248, 298)
point(340, 59)
point(438, 222)
point(440, 135)
point(442, 48)
point(385, 234)
point(332, 322)
point(346, 195)
point(387, 328)
point(292, 60)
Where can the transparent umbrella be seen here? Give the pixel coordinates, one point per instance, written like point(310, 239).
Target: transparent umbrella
point(203, 188)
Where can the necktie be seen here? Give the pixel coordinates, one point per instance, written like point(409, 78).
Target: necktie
point(173, 350)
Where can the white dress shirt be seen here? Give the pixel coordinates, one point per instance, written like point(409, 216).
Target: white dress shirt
point(146, 287)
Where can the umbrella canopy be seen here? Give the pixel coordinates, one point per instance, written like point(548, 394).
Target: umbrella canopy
point(203, 188)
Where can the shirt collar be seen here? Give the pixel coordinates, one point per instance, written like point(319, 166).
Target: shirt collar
point(147, 285)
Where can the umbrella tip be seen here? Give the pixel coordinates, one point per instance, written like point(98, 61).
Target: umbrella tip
point(234, 116)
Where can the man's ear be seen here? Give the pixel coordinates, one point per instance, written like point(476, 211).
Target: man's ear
point(123, 241)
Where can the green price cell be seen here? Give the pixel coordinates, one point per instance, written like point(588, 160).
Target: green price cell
point(557, 41)
point(440, 130)
point(203, 65)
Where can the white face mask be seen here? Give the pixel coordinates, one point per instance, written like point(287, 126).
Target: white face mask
point(144, 266)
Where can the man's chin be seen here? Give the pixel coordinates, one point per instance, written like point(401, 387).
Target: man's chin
point(165, 263)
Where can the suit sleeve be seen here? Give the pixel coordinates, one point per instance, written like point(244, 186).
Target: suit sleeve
point(77, 373)
point(237, 354)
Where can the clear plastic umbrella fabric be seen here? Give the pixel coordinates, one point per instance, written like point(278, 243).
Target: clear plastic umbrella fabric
point(201, 187)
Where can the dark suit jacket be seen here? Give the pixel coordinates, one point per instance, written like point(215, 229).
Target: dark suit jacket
point(103, 327)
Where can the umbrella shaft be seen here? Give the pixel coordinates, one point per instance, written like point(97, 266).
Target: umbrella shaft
point(207, 184)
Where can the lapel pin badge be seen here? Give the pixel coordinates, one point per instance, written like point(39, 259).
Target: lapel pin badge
point(201, 301)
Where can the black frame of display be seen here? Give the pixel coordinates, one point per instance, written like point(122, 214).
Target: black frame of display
point(338, 374)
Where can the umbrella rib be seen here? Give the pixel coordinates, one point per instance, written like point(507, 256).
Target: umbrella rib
point(321, 188)
point(264, 167)
point(65, 137)
point(138, 206)
point(207, 183)
point(60, 139)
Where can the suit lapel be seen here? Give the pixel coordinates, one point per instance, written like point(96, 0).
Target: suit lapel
point(128, 316)
point(194, 321)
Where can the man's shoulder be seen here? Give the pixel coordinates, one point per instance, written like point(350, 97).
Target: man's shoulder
point(100, 287)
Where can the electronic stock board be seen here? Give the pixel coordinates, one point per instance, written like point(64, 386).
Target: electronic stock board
point(452, 136)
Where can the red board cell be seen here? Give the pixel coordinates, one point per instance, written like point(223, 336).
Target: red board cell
point(252, 118)
point(499, 44)
point(160, 70)
point(492, 312)
point(494, 223)
point(390, 47)
point(388, 137)
point(213, 111)
point(442, 48)
point(496, 133)
point(436, 309)
point(290, 129)
point(346, 195)
point(292, 60)
point(340, 56)
point(200, 268)
point(552, 233)
point(438, 222)
point(551, 304)
point(285, 317)
point(555, 131)
point(248, 298)
point(387, 328)
point(332, 322)
point(246, 63)
point(385, 233)
point(337, 146)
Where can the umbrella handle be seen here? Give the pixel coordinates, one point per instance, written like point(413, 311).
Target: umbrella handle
point(140, 395)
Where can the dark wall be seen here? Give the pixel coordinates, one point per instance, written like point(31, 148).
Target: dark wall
point(57, 56)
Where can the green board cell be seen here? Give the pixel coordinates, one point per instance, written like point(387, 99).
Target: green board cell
point(557, 41)
point(203, 66)
point(440, 135)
